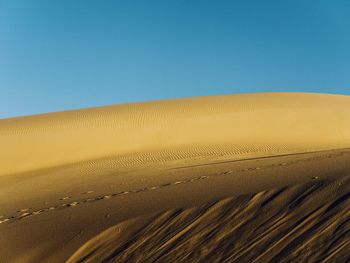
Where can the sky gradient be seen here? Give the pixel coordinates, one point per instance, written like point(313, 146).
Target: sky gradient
point(59, 55)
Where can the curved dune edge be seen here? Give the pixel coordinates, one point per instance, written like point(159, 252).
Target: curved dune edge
point(290, 224)
point(66, 177)
point(169, 130)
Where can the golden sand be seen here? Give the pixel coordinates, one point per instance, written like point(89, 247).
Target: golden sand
point(138, 133)
point(150, 181)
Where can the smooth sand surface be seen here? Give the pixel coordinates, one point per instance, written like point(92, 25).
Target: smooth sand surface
point(67, 177)
point(135, 134)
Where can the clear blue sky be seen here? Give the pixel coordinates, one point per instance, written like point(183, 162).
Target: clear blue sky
point(66, 54)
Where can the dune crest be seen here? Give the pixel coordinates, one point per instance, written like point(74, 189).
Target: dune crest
point(141, 133)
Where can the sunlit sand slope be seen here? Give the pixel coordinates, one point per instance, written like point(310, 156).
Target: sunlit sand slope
point(162, 131)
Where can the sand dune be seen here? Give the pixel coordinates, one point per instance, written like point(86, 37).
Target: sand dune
point(302, 223)
point(67, 177)
point(255, 124)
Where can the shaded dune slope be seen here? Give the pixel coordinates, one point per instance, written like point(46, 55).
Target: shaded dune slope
point(303, 223)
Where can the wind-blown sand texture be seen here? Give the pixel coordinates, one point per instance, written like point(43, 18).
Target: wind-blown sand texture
point(233, 178)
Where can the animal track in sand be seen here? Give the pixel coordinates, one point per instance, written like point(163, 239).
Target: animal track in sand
point(23, 210)
point(26, 212)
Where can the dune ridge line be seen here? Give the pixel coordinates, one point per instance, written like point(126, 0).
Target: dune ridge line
point(139, 133)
